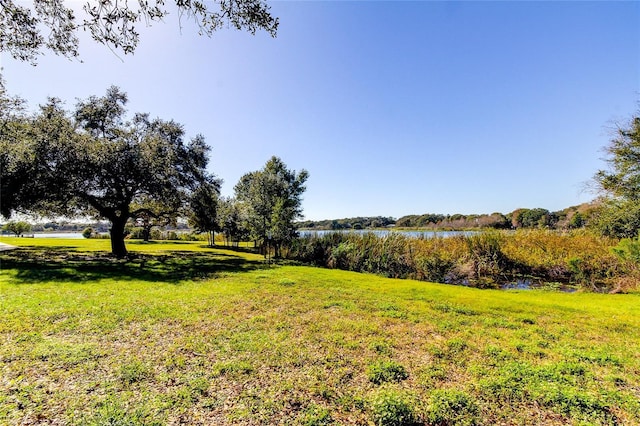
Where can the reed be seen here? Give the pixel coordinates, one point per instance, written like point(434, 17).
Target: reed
point(486, 259)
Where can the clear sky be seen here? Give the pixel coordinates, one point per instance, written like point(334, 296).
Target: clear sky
point(394, 107)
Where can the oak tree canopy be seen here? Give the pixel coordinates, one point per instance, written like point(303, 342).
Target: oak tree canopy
point(26, 32)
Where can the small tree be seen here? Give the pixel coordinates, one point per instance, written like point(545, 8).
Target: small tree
point(231, 220)
point(204, 207)
point(17, 228)
point(272, 197)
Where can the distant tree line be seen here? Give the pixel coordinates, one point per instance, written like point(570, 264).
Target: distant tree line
point(524, 218)
point(536, 218)
point(348, 223)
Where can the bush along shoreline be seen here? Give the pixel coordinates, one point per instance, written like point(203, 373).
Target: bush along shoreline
point(578, 260)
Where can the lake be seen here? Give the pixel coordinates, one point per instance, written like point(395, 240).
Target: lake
point(72, 235)
point(385, 232)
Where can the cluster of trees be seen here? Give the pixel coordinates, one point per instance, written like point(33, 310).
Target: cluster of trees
point(455, 221)
point(95, 162)
point(572, 217)
point(616, 213)
point(348, 223)
point(266, 205)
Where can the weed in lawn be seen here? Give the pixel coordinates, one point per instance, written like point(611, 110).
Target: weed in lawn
point(232, 368)
point(381, 347)
point(315, 415)
point(386, 371)
point(134, 372)
point(285, 282)
point(452, 407)
point(391, 407)
point(112, 413)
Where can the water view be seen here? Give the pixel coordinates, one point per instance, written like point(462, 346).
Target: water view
point(72, 235)
point(385, 232)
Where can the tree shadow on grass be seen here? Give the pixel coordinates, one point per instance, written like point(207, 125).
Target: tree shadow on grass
point(45, 264)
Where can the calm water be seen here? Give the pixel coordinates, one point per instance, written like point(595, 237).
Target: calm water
point(385, 232)
point(72, 235)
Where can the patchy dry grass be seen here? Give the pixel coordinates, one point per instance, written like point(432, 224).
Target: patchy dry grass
point(182, 334)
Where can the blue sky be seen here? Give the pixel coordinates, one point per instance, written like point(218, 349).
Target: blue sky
point(394, 108)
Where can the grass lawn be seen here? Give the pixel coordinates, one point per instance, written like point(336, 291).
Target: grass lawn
point(184, 334)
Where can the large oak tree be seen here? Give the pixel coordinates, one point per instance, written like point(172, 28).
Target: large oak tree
point(93, 162)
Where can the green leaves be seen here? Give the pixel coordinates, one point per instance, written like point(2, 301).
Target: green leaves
point(93, 162)
point(273, 200)
point(114, 23)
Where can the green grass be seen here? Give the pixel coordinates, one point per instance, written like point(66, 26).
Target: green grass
point(186, 334)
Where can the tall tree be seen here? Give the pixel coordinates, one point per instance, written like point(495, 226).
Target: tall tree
point(619, 214)
point(94, 163)
point(114, 23)
point(273, 199)
point(623, 157)
point(15, 161)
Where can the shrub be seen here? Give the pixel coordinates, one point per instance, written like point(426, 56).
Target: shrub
point(393, 408)
point(87, 232)
point(628, 249)
point(386, 371)
point(579, 405)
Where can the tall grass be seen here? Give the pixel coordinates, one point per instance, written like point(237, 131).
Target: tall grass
point(487, 259)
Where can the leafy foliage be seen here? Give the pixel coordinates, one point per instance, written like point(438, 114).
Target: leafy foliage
point(452, 407)
point(17, 228)
point(390, 407)
point(114, 23)
point(93, 163)
point(623, 177)
point(386, 371)
point(272, 200)
point(203, 205)
point(232, 220)
point(619, 214)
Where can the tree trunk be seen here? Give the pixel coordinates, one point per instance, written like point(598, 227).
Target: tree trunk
point(118, 248)
point(146, 233)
